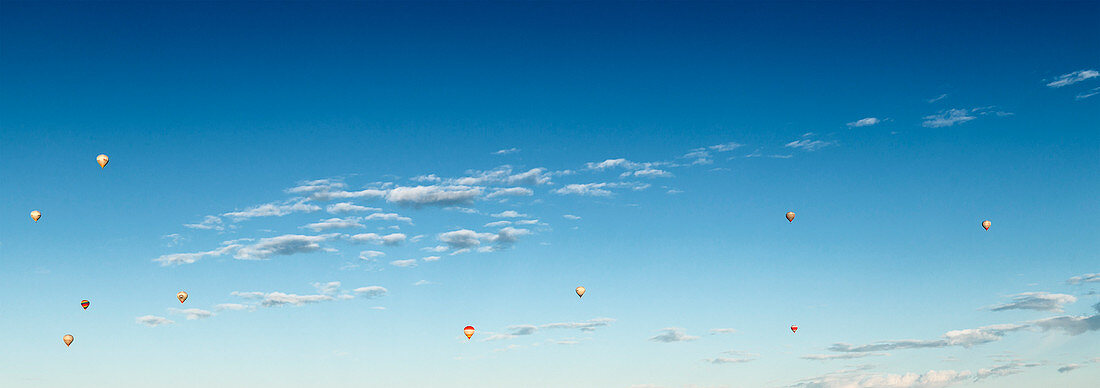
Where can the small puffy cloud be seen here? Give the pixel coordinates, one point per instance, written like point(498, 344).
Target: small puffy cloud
point(1086, 278)
point(422, 283)
point(518, 330)
point(506, 151)
point(306, 187)
point(702, 155)
point(370, 292)
point(722, 331)
point(330, 288)
point(392, 239)
point(728, 360)
point(649, 173)
point(673, 334)
point(1070, 324)
point(463, 238)
point(418, 196)
point(173, 239)
point(497, 224)
point(348, 207)
point(333, 223)
point(273, 299)
point(288, 244)
point(192, 314)
point(430, 178)
point(527, 222)
point(431, 258)
point(437, 248)
point(587, 189)
point(273, 209)
point(509, 214)
point(1039, 301)
point(1072, 78)
point(614, 163)
point(404, 263)
point(209, 222)
point(388, 217)
point(511, 191)
point(153, 321)
point(864, 122)
point(328, 195)
point(571, 217)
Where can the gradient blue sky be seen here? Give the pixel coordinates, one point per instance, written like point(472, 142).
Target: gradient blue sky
point(648, 151)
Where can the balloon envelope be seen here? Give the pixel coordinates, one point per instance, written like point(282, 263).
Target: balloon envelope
point(469, 331)
point(102, 160)
point(68, 338)
point(794, 328)
point(986, 224)
point(580, 291)
point(84, 303)
point(35, 215)
point(790, 216)
point(182, 296)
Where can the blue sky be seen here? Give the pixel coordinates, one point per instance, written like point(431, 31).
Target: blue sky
point(342, 187)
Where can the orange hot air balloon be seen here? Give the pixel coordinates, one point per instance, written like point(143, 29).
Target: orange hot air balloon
point(469, 330)
point(580, 292)
point(68, 338)
point(84, 303)
point(102, 160)
point(794, 328)
point(35, 215)
point(182, 296)
point(986, 224)
point(790, 216)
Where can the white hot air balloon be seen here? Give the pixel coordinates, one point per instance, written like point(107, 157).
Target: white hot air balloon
point(182, 296)
point(580, 292)
point(68, 338)
point(102, 160)
point(35, 215)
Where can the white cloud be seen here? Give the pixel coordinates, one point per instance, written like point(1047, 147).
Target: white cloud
point(649, 173)
point(188, 258)
point(1070, 324)
point(965, 338)
point(288, 244)
point(673, 334)
point(589, 189)
point(192, 314)
point(404, 263)
point(1086, 278)
point(571, 217)
point(433, 195)
point(1040, 301)
point(509, 214)
point(1087, 93)
point(947, 118)
point(527, 222)
point(273, 299)
point(808, 144)
point(392, 239)
point(333, 223)
point(589, 325)
point(702, 155)
point(864, 122)
point(153, 321)
point(371, 292)
point(503, 176)
point(437, 248)
point(1072, 78)
point(388, 217)
point(463, 238)
point(937, 98)
point(722, 331)
point(506, 151)
point(511, 191)
point(841, 356)
point(497, 224)
point(422, 283)
point(330, 288)
point(173, 239)
point(430, 178)
point(430, 258)
point(368, 255)
point(614, 163)
point(348, 207)
point(273, 209)
point(930, 379)
point(327, 195)
point(728, 360)
point(315, 186)
point(209, 222)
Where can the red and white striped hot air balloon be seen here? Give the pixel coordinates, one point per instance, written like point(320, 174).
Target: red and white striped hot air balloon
point(469, 330)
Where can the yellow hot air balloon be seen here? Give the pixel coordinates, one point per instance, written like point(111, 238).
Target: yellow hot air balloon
point(182, 296)
point(469, 330)
point(790, 216)
point(580, 292)
point(35, 215)
point(986, 224)
point(102, 159)
point(68, 338)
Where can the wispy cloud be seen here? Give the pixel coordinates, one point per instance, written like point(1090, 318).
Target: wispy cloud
point(273, 210)
point(1040, 301)
point(509, 214)
point(334, 223)
point(506, 151)
point(1072, 78)
point(964, 338)
point(571, 217)
point(188, 258)
point(404, 263)
point(722, 331)
point(673, 334)
point(1086, 278)
point(284, 245)
point(467, 239)
point(807, 143)
point(209, 222)
point(392, 239)
point(153, 320)
point(864, 122)
point(704, 155)
point(937, 98)
point(1071, 324)
point(841, 356)
point(852, 378)
point(1087, 94)
point(192, 314)
point(951, 117)
point(348, 207)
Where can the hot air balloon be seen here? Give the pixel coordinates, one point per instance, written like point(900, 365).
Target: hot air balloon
point(580, 292)
point(182, 296)
point(790, 216)
point(986, 224)
point(794, 328)
point(469, 330)
point(102, 159)
point(84, 303)
point(68, 338)
point(35, 215)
